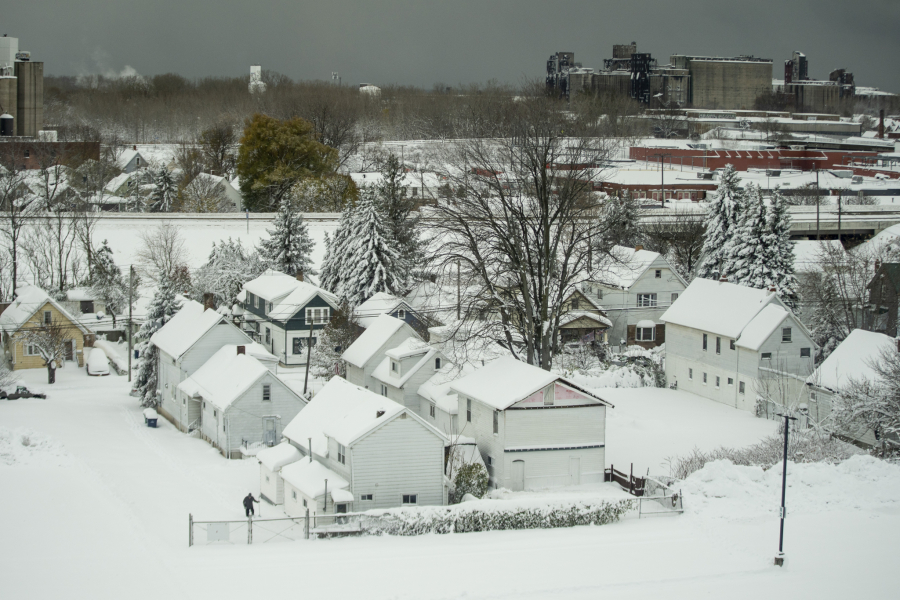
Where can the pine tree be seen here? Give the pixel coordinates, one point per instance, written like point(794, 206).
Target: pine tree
point(746, 258)
point(398, 209)
point(163, 306)
point(622, 215)
point(721, 220)
point(165, 192)
point(226, 271)
point(289, 247)
point(373, 258)
point(107, 282)
point(335, 265)
point(780, 250)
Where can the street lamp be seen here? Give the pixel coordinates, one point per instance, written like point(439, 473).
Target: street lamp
point(779, 558)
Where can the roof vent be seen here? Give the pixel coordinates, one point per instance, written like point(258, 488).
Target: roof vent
point(242, 349)
point(379, 414)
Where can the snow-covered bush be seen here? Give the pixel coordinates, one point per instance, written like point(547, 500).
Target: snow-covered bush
point(804, 446)
point(472, 479)
point(464, 518)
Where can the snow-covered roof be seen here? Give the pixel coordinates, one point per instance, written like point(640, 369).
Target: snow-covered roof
point(271, 285)
point(505, 381)
point(30, 299)
point(629, 266)
point(574, 315)
point(851, 359)
point(224, 377)
point(80, 293)
point(384, 374)
point(437, 387)
point(380, 303)
point(117, 182)
point(340, 410)
point(408, 347)
point(309, 478)
point(890, 235)
point(372, 339)
point(302, 293)
point(718, 307)
point(187, 326)
point(761, 327)
point(806, 253)
point(126, 158)
point(278, 456)
point(341, 495)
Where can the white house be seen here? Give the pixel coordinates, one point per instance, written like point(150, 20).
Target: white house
point(382, 303)
point(732, 344)
point(852, 359)
point(404, 369)
point(271, 460)
point(438, 404)
point(381, 453)
point(206, 185)
point(534, 429)
point(131, 160)
point(280, 310)
point(185, 343)
point(241, 401)
point(634, 292)
point(370, 348)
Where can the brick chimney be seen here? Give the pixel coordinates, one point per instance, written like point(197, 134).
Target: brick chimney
point(242, 349)
point(723, 279)
point(299, 275)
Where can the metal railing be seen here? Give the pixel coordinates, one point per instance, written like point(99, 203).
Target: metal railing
point(283, 529)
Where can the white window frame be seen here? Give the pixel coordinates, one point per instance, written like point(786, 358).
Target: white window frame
point(657, 274)
point(48, 317)
point(431, 410)
point(437, 363)
point(740, 387)
point(317, 315)
point(468, 410)
point(674, 297)
point(267, 392)
point(705, 342)
point(401, 314)
point(718, 345)
point(704, 379)
point(690, 374)
point(786, 335)
point(30, 350)
point(641, 337)
point(496, 422)
point(718, 382)
point(342, 454)
point(367, 497)
point(765, 356)
point(384, 390)
point(294, 495)
point(808, 352)
point(731, 381)
point(409, 499)
point(646, 300)
point(395, 367)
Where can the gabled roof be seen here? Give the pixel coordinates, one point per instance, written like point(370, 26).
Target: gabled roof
point(29, 300)
point(118, 181)
point(630, 265)
point(574, 315)
point(278, 456)
point(303, 292)
point(287, 294)
point(379, 304)
point(186, 327)
point(373, 338)
point(505, 381)
point(851, 359)
point(383, 371)
point(225, 377)
point(271, 286)
point(340, 410)
point(309, 477)
point(437, 388)
point(126, 157)
point(761, 327)
point(718, 307)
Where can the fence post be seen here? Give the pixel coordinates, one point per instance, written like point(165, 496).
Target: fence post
point(306, 526)
point(249, 530)
point(190, 530)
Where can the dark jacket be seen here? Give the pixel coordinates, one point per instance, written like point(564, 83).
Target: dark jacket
point(249, 500)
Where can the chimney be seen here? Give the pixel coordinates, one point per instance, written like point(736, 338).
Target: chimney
point(135, 147)
point(723, 279)
point(379, 414)
point(299, 275)
point(638, 247)
point(881, 123)
point(242, 349)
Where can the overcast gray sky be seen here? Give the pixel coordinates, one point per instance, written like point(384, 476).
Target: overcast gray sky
point(450, 41)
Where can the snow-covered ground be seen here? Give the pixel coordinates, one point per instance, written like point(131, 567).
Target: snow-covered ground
point(95, 505)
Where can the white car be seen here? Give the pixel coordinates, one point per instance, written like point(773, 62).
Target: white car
point(97, 362)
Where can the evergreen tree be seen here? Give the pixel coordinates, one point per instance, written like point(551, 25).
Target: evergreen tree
point(622, 215)
point(335, 265)
point(226, 271)
point(163, 306)
point(746, 258)
point(721, 220)
point(398, 209)
point(289, 247)
point(107, 282)
point(165, 192)
point(373, 259)
point(780, 250)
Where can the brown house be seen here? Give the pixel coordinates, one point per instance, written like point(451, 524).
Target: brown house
point(31, 310)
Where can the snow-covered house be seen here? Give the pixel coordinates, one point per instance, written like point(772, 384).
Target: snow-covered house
point(374, 453)
point(370, 348)
point(383, 303)
point(405, 368)
point(852, 359)
point(285, 314)
point(634, 292)
point(241, 401)
point(207, 186)
point(732, 343)
point(438, 404)
point(583, 320)
point(83, 300)
point(271, 461)
point(185, 343)
point(534, 429)
point(131, 160)
point(32, 309)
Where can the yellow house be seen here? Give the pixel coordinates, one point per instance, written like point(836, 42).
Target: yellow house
point(32, 309)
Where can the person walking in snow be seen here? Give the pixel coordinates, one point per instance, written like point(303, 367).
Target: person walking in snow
point(248, 504)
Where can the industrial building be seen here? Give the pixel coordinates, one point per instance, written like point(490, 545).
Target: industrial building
point(21, 91)
point(725, 83)
point(813, 95)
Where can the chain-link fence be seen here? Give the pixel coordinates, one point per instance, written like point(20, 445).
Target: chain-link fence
point(659, 498)
point(283, 529)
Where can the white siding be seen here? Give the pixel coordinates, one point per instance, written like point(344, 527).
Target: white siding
point(246, 415)
point(555, 426)
point(271, 485)
point(402, 457)
point(366, 380)
point(442, 420)
point(551, 468)
point(482, 429)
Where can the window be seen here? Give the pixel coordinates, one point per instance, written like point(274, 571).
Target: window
point(575, 304)
point(366, 497)
point(269, 307)
point(658, 274)
point(704, 379)
point(268, 335)
point(496, 422)
point(27, 153)
point(741, 387)
point(469, 410)
point(674, 297)
point(31, 350)
point(410, 498)
point(704, 342)
point(395, 367)
point(304, 503)
point(48, 317)
point(645, 334)
point(258, 301)
point(813, 397)
point(267, 392)
point(646, 300)
point(342, 454)
point(804, 353)
point(548, 397)
point(731, 345)
point(718, 381)
point(718, 345)
point(437, 364)
point(690, 373)
point(401, 314)
point(767, 356)
point(490, 461)
point(294, 494)
point(317, 315)
point(431, 411)
point(267, 479)
point(785, 334)
point(730, 381)
point(383, 390)
point(215, 414)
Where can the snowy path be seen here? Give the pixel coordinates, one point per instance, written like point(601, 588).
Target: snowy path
point(108, 519)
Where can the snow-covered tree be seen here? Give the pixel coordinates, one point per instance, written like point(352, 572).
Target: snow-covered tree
point(341, 331)
point(746, 257)
point(622, 215)
point(49, 341)
point(163, 306)
point(873, 404)
point(288, 248)
point(780, 250)
point(107, 282)
point(721, 220)
point(398, 209)
point(164, 193)
point(335, 265)
point(228, 268)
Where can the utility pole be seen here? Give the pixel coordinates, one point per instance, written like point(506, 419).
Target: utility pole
point(818, 202)
point(779, 558)
point(662, 168)
point(458, 295)
point(840, 197)
point(308, 355)
point(130, 302)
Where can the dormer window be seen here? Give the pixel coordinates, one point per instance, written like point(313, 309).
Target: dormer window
point(401, 314)
point(395, 367)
